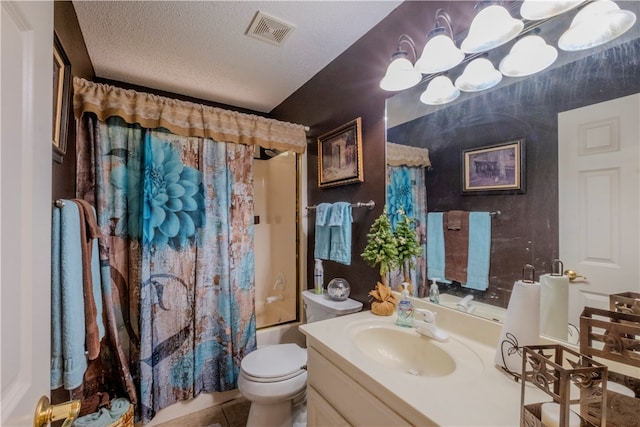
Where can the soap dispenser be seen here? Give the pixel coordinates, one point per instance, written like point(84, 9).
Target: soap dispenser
point(434, 292)
point(405, 308)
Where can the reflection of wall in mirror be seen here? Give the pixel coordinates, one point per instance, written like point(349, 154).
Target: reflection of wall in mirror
point(527, 230)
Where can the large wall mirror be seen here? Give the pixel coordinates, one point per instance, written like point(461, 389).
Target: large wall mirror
point(531, 222)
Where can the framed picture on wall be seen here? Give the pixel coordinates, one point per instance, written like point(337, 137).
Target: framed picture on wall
point(61, 99)
point(494, 169)
point(340, 155)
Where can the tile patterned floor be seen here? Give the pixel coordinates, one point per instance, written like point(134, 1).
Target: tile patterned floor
point(230, 414)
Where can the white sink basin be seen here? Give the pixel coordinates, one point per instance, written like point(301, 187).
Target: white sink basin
point(403, 350)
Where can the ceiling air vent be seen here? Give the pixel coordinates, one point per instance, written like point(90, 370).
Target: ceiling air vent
point(269, 29)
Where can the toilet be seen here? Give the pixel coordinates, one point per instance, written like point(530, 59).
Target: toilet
point(274, 378)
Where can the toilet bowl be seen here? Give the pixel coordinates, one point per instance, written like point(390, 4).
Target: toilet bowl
point(274, 378)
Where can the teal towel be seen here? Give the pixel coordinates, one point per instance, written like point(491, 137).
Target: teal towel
point(478, 260)
point(323, 233)
point(435, 247)
point(104, 417)
point(56, 367)
point(69, 300)
point(340, 236)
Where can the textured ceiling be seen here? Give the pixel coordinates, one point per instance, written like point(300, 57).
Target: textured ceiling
point(200, 48)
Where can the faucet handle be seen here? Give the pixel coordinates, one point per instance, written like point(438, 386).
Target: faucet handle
point(426, 315)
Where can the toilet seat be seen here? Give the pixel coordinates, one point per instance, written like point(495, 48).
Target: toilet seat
point(274, 363)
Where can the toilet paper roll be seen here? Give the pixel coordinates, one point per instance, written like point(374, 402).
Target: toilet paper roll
point(521, 326)
point(554, 306)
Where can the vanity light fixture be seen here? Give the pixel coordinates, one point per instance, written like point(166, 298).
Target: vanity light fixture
point(440, 91)
point(597, 23)
point(493, 26)
point(478, 75)
point(529, 55)
point(440, 52)
point(534, 10)
point(401, 74)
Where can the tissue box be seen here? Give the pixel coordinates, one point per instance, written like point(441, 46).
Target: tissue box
point(568, 378)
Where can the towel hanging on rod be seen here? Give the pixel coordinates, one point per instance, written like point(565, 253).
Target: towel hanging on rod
point(370, 205)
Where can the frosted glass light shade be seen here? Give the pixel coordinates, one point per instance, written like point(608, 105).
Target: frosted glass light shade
point(492, 27)
point(439, 54)
point(400, 75)
point(439, 91)
point(598, 23)
point(478, 75)
point(542, 9)
point(528, 56)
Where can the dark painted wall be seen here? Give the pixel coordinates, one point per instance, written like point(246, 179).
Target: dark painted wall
point(67, 29)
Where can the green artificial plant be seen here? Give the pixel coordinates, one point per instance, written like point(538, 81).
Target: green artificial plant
point(407, 244)
point(381, 246)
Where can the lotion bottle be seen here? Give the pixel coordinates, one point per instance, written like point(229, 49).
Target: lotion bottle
point(318, 277)
point(434, 292)
point(405, 308)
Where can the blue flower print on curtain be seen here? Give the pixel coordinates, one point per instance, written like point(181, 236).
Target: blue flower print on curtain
point(399, 193)
point(166, 207)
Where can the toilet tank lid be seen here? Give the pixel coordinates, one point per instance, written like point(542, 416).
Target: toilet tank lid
point(337, 307)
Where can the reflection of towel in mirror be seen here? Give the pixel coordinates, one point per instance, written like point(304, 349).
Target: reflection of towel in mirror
point(435, 247)
point(323, 236)
point(479, 251)
point(454, 220)
point(456, 247)
point(340, 224)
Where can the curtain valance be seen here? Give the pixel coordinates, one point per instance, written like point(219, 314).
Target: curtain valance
point(185, 118)
point(404, 155)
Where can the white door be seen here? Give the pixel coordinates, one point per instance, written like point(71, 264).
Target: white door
point(25, 211)
point(598, 190)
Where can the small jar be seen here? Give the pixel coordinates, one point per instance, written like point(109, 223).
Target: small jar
point(338, 289)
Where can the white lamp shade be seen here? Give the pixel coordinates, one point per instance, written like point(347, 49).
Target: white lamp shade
point(439, 91)
point(492, 27)
point(528, 56)
point(542, 9)
point(478, 75)
point(439, 54)
point(400, 75)
point(598, 23)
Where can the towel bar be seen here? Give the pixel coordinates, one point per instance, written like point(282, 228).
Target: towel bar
point(370, 205)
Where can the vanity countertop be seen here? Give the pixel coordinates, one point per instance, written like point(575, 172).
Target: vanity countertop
point(485, 397)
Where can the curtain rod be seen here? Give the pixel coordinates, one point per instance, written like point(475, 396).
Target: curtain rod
point(370, 205)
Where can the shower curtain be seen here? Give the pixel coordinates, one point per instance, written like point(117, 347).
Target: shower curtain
point(175, 209)
point(176, 217)
point(406, 189)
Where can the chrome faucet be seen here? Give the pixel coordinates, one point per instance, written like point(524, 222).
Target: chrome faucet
point(424, 322)
point(465, 304)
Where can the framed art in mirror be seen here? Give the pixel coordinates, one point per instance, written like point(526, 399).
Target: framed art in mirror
point(494, 169)
point(61, 99)
point(340, 155)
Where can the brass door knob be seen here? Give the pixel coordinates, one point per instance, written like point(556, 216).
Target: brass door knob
point(572, 275)
point(47, 413)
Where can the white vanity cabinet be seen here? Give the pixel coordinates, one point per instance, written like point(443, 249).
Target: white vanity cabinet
point(336, 399)
point(349, 383)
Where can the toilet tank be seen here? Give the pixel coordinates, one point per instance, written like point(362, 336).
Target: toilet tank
point(321, 307)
